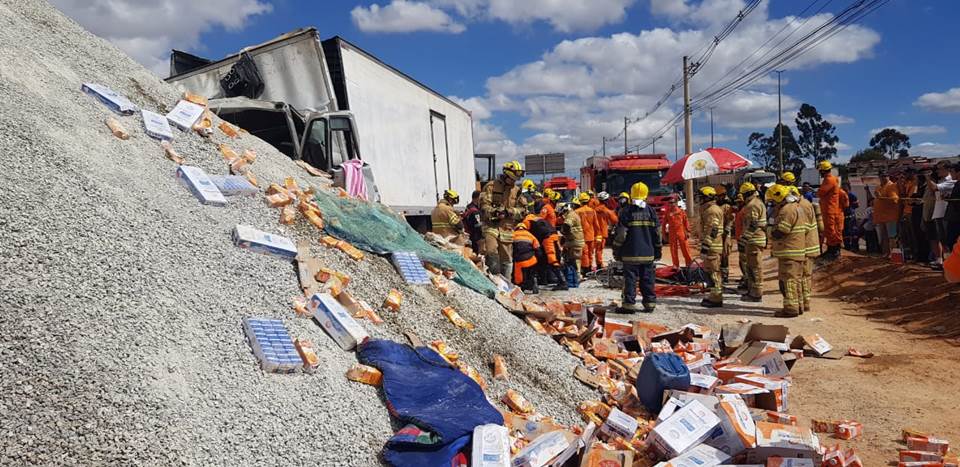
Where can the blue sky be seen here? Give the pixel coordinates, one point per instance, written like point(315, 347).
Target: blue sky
point(558, 75)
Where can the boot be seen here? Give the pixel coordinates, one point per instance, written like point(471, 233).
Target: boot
point(707, 303)
point(751, 298)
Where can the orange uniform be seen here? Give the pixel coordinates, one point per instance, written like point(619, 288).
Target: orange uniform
point(605, 219)
point(524, 250)
point(951, 265)
point(548, 213)
point(591, 227)
point(676, 226)
point(829, 194)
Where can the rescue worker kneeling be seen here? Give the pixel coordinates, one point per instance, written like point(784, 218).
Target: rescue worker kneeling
point(789, 247)
point(525, 247)
point(444, 218)
point(548, 255)
point(637, 245)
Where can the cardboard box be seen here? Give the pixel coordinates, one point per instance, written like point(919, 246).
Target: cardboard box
point(685, 429)
point(728, 373)
point(814, 342)
point(272, 346)
point(779, 390)
point(543, 449)
point(929, 444)
point(737, 430)
point(619, 424)
point(491, 446)
point(249, 238)
point(233, 185)
point(200, 185)
point(709, 401)
point(156, 125)
point(789, 462)
point(907, 455)
point(775, 440)
point(772, 363)
point(113, 100)
point(334, 319)
point(185, 114)
point(703, 384)
point(700, 456)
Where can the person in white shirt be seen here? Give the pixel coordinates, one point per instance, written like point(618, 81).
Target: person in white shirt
point(869, 229)
point(944, 186)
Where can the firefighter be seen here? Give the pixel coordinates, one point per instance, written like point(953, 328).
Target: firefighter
point(591, 230)
point(788, 179)
point(528, 191)
point(711, 244)
point(676, 227)
point(623, 199)
point(813, 227)
point(830, 209)
point(548, 212)
point(723, 200)
point(445, 220)
point(789, 247)
point(741, 241)
point(525, 247)
point(754, 239)
point(606, 219)
point(548, 257)
point(637, 245)
point(500, 210)
point(572, 232)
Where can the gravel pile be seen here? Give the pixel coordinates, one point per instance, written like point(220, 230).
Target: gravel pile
point(121, 297)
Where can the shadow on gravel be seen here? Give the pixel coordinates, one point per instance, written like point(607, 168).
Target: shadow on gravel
point(912, 296)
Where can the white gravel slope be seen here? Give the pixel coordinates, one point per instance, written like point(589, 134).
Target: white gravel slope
point(121, 296)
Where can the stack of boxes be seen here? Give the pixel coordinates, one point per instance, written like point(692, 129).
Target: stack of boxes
point(272, 345)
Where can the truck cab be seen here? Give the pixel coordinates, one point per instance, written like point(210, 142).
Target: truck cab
point(566, 186)
point(617, 174)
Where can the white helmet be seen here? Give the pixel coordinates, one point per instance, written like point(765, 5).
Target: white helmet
point(603, 196)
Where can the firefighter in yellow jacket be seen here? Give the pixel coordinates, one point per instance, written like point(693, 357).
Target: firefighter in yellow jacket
point(573, 239)
point(754, 239)
point(813, 227)
point(789, 247)
point(711, 244)
point(445, 220)
point(500, 211)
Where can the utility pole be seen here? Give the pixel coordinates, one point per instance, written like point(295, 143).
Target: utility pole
point(687, 137)
point(604, 145)
point(624, 136)
point(711, 127)
point(779, 122)
point(654, 144)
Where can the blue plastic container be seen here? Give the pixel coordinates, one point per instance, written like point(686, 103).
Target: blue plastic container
point(659, 372)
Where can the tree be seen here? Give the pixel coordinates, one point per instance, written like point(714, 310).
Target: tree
point(765, 150)
point(891, 143)
point(869, 154)
point(760, 150)
point(817, 139)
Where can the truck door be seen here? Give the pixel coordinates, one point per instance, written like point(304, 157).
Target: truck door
point(441, 156)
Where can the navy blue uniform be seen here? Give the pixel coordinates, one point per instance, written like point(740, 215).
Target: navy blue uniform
point(637, 244)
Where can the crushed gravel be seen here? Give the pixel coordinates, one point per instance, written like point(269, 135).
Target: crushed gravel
point(121, 297)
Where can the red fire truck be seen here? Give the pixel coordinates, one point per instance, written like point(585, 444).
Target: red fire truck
point(616, 174)
point(566, 186)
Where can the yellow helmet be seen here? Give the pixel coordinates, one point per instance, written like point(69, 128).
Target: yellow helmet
point(521, 226)
point(739, 198)
point(824, 165)
point(788, 177)
point(563, 208)
point(452, 196)
point(777, 193)
point(513, 170)
point(795, 191)
point(584, 198)
point(528, 185)
point(747, 187)
point(555, 196)
point(639, 191)
point(708, 191)
point(548, 193)
point(623, 195)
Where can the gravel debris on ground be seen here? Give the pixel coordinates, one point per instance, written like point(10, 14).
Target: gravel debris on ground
point(122, 296)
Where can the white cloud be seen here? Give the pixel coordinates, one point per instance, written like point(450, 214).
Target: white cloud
point(562, 15)
point(147, 30)
point(404, 16)
point(838, 119)
point(940, 101)
point(913, 130)
point(935, 149)
point(578, 92)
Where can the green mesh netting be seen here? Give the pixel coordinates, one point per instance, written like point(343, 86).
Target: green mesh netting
point(374, 228)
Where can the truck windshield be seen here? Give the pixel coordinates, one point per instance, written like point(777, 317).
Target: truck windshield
point(620, 182)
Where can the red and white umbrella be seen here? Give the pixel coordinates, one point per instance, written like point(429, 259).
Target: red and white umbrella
point(709, 161)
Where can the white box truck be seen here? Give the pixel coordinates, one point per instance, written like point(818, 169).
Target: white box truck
point(330, 102)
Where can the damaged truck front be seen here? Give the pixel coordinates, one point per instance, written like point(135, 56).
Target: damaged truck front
point(291, 93)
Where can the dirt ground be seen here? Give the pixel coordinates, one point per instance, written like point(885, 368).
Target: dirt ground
point(906, 315)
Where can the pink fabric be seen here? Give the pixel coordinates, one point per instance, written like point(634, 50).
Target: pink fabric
point(353, 178)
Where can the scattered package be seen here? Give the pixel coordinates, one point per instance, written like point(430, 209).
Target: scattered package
point(156, 125)
point(233, 185)
point(185, 114)
point(200, 185)
point(394, 300)
point(249, 238)
point(308, 353)
point(172, 153)
point(410, 267)
point(491, 446)
point(272, 345)
point(117, 128)
point(456, 319)
point(113, 100)
point(365, 374)
point(334, 319)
